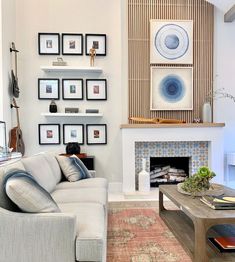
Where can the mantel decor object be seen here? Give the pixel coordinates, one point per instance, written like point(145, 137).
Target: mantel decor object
point(157, 120)
point(207, 113)
point(144, 178)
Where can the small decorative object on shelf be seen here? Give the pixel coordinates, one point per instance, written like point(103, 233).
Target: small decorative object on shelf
point(206, 113)
point(144, 178)
point(198, 184)
point(70, 110)
point(92, 111)
point(59, 62)
point(197, 120)
point(53, 107)
point(92, 53)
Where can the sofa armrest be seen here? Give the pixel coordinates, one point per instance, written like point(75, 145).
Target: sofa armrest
point(93, 173)
point(41, 237)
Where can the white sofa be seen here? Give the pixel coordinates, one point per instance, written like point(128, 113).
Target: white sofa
point(78, 233)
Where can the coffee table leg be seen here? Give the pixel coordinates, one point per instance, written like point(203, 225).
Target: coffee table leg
point(161, 206)
point(200, 248)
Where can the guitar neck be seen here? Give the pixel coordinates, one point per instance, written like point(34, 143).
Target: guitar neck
point(18, 117)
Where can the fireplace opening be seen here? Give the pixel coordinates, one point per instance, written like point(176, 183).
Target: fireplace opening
point(168, 170)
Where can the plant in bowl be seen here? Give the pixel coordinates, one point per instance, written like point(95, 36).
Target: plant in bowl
point(198, 183)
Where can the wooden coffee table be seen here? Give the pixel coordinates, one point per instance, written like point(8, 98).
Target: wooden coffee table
point(194, 222)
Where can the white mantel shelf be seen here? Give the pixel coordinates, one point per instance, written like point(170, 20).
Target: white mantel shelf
point(72, 114)
point(81, 69)
point(186, 125)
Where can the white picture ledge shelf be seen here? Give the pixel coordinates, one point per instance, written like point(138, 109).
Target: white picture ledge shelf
point(72, 114)
point(82, 69)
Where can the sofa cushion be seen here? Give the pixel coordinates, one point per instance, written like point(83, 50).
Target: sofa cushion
point(95, 195)
point(40, 169)
point(53, 163)
point(5, 202)
point(90, 183)
point(91, 229)
point(27, 194)
point(73, 168)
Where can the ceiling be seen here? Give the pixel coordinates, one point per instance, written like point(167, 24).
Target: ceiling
point(223, 5)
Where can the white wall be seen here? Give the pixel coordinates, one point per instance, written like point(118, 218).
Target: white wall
point(7, 35)
point(71, 16)
point(224, 67)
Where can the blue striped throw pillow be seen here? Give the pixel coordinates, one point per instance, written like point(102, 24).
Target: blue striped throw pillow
point(73, 168)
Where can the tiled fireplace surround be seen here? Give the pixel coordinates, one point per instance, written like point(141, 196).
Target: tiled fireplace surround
point(203, 144)
point(197, 151)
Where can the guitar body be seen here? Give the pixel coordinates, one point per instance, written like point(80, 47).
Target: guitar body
point(15, 137)
point(16, 140)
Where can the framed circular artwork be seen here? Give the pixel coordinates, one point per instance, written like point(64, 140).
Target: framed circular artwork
point(171, 42)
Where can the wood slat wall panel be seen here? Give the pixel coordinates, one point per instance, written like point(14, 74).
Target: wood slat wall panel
point(139, 14)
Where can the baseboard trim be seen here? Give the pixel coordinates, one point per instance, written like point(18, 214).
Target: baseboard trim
point(115, 187)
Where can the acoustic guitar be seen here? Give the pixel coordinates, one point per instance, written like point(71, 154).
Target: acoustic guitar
point(15, 138)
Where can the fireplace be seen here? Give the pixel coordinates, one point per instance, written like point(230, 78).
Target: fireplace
point(203, 143)
point(169, 170)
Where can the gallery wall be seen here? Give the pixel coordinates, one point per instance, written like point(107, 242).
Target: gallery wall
point(72, 16)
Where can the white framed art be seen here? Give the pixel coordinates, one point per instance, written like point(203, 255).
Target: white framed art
point(72, 44)
point(96, 134)
point(73, 133)
point(48, 43)
point(171, 41)
point(49, 134)
point(171, 88)
point(72, 89)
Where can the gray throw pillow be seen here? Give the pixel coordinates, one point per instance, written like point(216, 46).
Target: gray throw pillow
point(27, 194)
point(73, 168)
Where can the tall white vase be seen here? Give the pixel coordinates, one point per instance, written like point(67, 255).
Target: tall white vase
point(206, 113)
point(144, 178)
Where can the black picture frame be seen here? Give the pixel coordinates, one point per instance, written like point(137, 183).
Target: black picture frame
point(45, 43)
point(46, 91)
point(73, 44)
point(45, 136)
point(69, 95)
point(97, 138)
point(95, 91)
point(101, 48)
point(65, 136)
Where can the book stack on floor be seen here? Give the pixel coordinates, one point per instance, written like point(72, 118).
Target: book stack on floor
point(219, 202)
point(223, 244)
point(167, 174)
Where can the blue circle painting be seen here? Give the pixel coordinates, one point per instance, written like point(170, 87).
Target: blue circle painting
point(172, 41)
point(172, 88)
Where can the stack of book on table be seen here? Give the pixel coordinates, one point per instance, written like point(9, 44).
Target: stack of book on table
point(219, 202)
point(223, 244)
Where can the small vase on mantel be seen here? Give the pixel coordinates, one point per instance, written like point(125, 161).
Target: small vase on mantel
point(206, 113)
point(144, 178)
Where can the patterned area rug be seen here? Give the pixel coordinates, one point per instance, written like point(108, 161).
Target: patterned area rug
point(136, 233)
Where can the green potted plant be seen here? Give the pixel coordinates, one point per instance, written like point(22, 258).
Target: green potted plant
point(198, 183)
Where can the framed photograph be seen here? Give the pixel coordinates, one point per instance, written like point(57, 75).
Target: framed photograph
point(72, 89)
point(171, 88)
point(48, 88)
point(96, 134)
point(96, 41)
point(49, 134)
point(73, 133)
point(48, 43)
point(72, 44)
point(171, 41)
point(96, 89)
